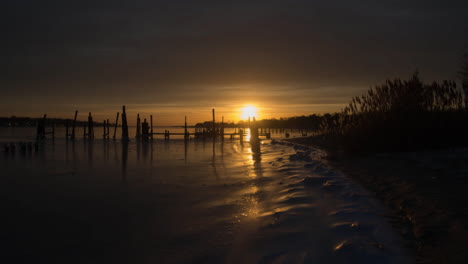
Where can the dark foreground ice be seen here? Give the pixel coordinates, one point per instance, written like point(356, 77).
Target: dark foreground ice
point(171, 202)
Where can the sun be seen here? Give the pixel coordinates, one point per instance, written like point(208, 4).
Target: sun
point(249, 111)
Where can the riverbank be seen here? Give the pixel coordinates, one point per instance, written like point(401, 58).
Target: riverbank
point(424, 190)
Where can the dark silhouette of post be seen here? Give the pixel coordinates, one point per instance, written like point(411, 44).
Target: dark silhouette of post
point(108, 129)
point(104, 133)
point(124, 125)
point(222, 128)
point(66, 129)
point(151, 131)
point(253, 131)
point(40, 131)
point(74, 125)
point(116, 124)
point(214, 123)
point(138, 127)
point(90, 126)
point(144, 130)
point(186, 133)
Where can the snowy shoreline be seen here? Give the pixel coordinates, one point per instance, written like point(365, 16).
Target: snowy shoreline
point(424, 191)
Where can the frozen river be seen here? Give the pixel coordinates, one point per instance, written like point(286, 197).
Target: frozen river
point(196, 202)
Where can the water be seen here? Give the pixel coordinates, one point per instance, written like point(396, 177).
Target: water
point(176, 202)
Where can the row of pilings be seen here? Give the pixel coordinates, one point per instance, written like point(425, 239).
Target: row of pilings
point(144, 130)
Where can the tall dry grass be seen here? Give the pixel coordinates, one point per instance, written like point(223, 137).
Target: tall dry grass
point(402, 115)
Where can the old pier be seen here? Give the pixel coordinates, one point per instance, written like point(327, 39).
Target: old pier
point(145, 132)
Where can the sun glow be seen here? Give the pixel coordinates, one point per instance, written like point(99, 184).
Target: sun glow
point(249, 111)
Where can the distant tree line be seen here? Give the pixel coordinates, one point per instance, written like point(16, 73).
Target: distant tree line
point(311, 122)
point(14, 121)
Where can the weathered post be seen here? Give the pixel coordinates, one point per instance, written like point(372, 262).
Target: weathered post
point(186, 133)
point(116, 124)
point(241, 135)
point(108, 128)
point(222, 128)
point(151, 120)
point(144, 130)
point(40, 132)
point(124, 125)
point(138, 127)
point(214, 123)
point(74, 124)
point(66, 129)
point(90, 126)
point(253, 131)
point(104, 130)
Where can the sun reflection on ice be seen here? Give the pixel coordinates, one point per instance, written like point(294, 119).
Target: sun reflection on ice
point(251, 204)
point(247, 136)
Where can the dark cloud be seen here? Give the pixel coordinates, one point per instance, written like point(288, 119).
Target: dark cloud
point(110, 47)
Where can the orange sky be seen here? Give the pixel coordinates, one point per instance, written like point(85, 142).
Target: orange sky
point(177, 58)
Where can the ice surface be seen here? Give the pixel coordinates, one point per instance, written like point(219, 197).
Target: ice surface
point(171, 202)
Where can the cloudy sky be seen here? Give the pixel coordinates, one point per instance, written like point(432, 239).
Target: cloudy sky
point(174, 58)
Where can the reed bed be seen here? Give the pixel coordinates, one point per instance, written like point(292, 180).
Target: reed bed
point(402, 115)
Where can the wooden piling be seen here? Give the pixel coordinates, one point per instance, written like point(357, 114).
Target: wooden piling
point(40, 131)
point(222, 128)
point(66, 129)
point(104, 134)
point(108, 129)
point(124, 125)
point(144, 130)
point(214, 123)
point(138, 127)
point(253, 131)
point(90, 126)
point(116, 124)
point(73, 127)
point(186, 133)
point(151, 120)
